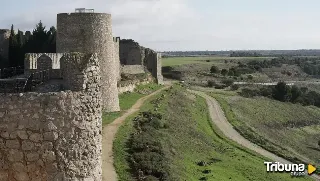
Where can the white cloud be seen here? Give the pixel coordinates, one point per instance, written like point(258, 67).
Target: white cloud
point(142, 20)
point(178, 25)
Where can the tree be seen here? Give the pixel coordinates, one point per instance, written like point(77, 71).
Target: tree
point(295, 93)
point(52, 35)
point(214, 69)
point(224, 72)
point(39, 38)
point(13, 48)
point(281, 92)
point(40, 41)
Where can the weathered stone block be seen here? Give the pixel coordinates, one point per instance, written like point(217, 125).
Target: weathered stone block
point(27, 145)
point(36, 137)
point(52, 168)
point(50, 136)
point(49, 156)
point(21, 176)
point(15, 156)
point(13, 135)
point(19, 167)
point(3, 126)
point(14, 112)
point(32, 157)
point(5, 134)
point(46, 146)
point(22, 134)
point(2, 145)
point(50, 126)
point(13, 144)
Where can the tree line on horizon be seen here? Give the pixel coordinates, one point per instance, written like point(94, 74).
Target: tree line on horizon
point(39, 41)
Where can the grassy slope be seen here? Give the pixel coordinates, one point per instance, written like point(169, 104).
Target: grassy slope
point(126, 100)
point(172, 61)
point(270, 119)
point(190, 139)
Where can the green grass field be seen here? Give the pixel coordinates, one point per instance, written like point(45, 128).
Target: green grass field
point(127, 100)
point(190, 139)
point(173, 61)
point(289, 130)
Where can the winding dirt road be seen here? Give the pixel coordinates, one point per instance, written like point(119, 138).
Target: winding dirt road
point(219, 119)
point(108, 135)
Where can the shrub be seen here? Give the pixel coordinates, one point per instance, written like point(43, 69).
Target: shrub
point(234, 87)
point(220, 86)
point(266, 91)
point(211, 83)
point(146, 152)
point(214, 69)
point(227, 82)
point(249, 92)
point(224, 72)
point(231, 73)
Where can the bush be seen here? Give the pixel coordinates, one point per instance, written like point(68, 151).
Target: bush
point(214, 69)
point(250, 77)
point(249, 92)
point(211, 83)
point(266, 91)
point(227, 82)
point(230, 73)
point(220, 86)
point(224, 72)
point(146, 152)
point(234, 87)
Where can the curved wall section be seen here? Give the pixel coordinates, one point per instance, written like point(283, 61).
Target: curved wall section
point(92, 33)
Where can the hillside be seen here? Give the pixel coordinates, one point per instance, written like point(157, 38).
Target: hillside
point(173, 139)
point(287, 129)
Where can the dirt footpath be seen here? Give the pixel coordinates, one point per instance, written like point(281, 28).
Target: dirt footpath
point(108, 135)
point(219, 119)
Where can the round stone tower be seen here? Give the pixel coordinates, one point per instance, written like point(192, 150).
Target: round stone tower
point(89, 32)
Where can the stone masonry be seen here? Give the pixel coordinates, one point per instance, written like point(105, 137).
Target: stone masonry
point(131, 53)
point(54, 136)
point(92, 33)
point(35, 62)
point(116, 55)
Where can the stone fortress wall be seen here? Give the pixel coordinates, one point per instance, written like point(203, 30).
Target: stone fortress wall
point(35, 62)
point(92, 33)
point(131, 53)
point(54, 136)
point(116, 56)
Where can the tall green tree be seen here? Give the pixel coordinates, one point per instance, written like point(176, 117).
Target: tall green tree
point(39, 41)
point(13, 47)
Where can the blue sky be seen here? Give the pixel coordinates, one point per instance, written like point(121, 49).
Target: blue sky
point(189, 24)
